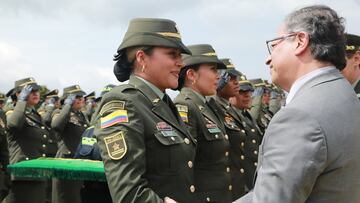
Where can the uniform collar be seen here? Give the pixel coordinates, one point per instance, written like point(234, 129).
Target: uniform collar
point(194, 95)
point(156, 90)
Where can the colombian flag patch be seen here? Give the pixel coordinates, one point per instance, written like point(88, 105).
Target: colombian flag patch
point(184, 116)
point(118, 116)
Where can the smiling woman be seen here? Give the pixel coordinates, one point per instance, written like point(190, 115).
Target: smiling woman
point(143, 142)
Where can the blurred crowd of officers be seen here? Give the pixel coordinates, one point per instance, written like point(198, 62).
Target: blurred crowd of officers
point(205, 141)
point(52, 126)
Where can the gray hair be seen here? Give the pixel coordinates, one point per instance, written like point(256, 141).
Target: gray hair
point(326, 32)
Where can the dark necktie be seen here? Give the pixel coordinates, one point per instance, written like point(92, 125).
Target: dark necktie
point(171, 105)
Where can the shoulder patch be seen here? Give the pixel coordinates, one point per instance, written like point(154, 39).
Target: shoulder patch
point(118, 116)
point(116, 145)
point(112, 105)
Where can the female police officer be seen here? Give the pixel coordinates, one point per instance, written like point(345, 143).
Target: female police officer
point(69, 124)
point(198, 79)
point(143, 142)
point(27, 135)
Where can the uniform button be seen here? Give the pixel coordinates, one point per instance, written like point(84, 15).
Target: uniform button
point(27, 158)
point(226, 136)
point(255, 163)
point(208, 199)
point(243, 131)
point(43, 146)
point(172, 138)
point(187, 141)
point(43, 155)
point(44, 136)
point(253, 130)
point(242, 157)
point(192, 188)
point(216, 136)
point(190, 164)
point(42, 127)
point(227, 169)
point(226, 153)
point(253, 141)
point(242, 144)
point(230, 187)
point(242, 170)
point(255, 152)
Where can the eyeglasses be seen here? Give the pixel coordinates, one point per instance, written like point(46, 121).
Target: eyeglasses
point(271, 46)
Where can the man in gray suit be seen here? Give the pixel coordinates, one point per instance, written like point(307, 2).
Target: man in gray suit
point(310, 151)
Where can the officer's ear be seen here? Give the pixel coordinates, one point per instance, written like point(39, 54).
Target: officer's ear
point(191, 75)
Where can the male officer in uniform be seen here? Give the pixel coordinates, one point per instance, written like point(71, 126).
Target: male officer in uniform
point(27, 139)
point(352, 70)
point(310, 151)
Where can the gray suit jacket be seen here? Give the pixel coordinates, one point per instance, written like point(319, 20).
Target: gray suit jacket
point(311, 149)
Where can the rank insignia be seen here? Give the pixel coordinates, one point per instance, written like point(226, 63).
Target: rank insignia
point(118, 116)
point(116, 145)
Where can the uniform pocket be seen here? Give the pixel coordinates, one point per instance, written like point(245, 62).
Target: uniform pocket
point(170, 137)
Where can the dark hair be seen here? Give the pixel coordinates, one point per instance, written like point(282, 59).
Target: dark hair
point(182, 74)
point(326, 32)
point(123, 67)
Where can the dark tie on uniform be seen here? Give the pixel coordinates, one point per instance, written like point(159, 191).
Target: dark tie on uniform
point(171, 105)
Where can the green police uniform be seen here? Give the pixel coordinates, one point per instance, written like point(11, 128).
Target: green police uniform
point(46, 112)
point(146, 148)
point(69, 126)
point(27, 135)
point(237, 137)
point(260, 112)
point(4, 158)
point(212, 163)
point(253, 136)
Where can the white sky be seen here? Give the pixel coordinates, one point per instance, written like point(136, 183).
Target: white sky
point(66, 42)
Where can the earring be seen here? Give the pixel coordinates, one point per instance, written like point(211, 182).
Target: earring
point(143, 69)
point(193, 82)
